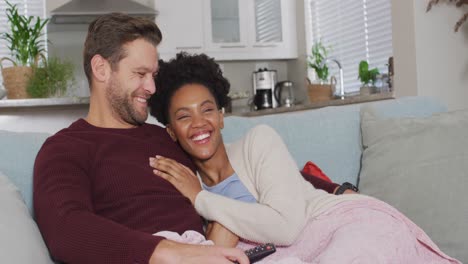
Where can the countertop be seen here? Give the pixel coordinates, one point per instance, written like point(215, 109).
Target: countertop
point(43, 102)
point(355, 99)
point(53, 103)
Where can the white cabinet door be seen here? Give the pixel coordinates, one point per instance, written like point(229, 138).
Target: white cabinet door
point(267, 29)
point(273, 30)
point(181, 24)
point(250, 29)
point(228, 29)
point(225, 23)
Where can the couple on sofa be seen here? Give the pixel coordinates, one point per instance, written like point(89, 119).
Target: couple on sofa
point(97, 199)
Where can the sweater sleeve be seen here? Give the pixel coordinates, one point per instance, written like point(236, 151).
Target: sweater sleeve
point(64, 212)
point(280, 214)
point(318, 183)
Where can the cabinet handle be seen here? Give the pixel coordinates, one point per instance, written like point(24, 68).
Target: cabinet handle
point(189, 47)
point(265, 46)
point(232, 47)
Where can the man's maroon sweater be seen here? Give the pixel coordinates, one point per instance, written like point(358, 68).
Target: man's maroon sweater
point(96, 199)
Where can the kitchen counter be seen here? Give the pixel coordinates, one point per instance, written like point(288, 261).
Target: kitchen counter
point(82, 102)
point(356, 99)
point(44, 102)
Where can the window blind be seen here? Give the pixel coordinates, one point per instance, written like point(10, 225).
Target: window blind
point(25, 7)
point(355, 30)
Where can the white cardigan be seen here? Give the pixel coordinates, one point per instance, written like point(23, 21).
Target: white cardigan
point(285, 200)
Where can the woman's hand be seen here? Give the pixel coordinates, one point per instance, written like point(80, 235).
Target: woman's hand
point(220, 235)
point(178, 175)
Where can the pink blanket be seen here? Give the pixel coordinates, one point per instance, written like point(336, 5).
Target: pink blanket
point(364, 231)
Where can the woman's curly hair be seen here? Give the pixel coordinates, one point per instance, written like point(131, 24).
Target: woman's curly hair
point(187, 69)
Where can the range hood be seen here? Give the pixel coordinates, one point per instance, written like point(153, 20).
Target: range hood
point(85, 11)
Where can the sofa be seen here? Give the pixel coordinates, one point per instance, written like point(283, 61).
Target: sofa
point(409, 152)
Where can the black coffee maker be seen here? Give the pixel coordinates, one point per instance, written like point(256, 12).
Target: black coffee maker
point(264, 82)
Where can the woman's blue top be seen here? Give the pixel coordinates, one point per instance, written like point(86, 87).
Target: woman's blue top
point(232, 187)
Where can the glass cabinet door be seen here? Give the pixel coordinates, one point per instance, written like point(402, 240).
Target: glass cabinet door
point(227, 23)
point(268, 22)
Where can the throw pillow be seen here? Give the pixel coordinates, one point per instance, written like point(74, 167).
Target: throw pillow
point(18, 151)
point(315, 176)
point(312, 169)
point(20, 239)
point(420, 166)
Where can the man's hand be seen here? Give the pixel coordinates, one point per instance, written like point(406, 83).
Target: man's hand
point(170, 252)
point(178, 174)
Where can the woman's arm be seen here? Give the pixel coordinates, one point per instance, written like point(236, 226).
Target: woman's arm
point(220, 235)
point(266, 168)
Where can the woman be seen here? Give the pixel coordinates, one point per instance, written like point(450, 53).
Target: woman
point(254, 190)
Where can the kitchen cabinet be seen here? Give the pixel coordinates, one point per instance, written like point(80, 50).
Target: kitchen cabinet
point(262, 29)
point(229, 29)
point(225, 24)
point(181, 25)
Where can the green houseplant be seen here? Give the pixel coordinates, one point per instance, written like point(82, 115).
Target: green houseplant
point(322, 91)
point(367, 77)
point(24, 40)
point(51, 79)
point(317, 59)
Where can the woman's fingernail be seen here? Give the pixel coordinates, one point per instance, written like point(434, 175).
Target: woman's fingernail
point(151, 160)
point(156, 171)
point(158, 157)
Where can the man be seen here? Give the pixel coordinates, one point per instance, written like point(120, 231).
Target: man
point(96, 199)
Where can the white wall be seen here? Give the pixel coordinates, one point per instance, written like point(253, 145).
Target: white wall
point(430, 58)
point(297, 69)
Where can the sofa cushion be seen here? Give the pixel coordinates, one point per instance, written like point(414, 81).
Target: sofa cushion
point(18, 151)
point(20, 239)
point(329, 136)
point(420, 166)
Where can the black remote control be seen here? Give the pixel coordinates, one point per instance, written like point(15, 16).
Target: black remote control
point(259, 252)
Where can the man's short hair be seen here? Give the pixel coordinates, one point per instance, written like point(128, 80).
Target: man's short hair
point(109, 33)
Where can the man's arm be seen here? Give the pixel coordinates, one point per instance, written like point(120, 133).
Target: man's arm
point(318, 183)
point(329, 187)
point(74, 233)
point(170, 252)
point(64, 211)
point(220, 235)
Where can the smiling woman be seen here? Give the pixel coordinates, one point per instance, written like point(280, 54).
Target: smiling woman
point(245, 189)
point(195, 121)
point(187, 69)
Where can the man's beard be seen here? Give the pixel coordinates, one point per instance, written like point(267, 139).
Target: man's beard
point(122, 105)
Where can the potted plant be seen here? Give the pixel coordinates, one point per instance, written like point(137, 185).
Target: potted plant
point(323, 90)
point(26, 46)
point(51, 79)
point(367, 78)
